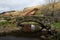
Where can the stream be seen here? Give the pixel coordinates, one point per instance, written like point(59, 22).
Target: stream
point(16, 38)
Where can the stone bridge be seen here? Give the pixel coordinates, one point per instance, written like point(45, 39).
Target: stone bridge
point(36, 19)
point(45, 30)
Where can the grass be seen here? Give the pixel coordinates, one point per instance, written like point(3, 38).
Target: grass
point(6, 24)
point(57, 25)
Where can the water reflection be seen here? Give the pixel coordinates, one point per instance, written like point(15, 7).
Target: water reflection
point(16, 38)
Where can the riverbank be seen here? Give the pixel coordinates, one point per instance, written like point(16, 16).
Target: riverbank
point(8, 29)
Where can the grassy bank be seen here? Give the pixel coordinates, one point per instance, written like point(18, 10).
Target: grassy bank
point(57, 25)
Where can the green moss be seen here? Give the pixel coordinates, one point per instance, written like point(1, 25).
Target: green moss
point(29, 23)
point(57, 25)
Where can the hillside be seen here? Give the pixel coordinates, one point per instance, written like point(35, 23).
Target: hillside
point(46, 8)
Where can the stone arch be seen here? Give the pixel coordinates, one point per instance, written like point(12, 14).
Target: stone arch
point(30, 19)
